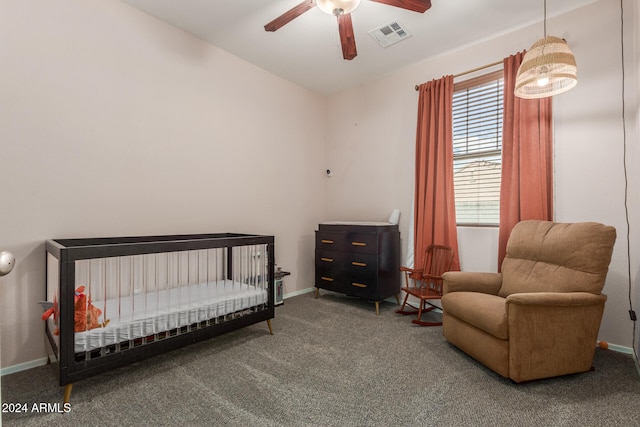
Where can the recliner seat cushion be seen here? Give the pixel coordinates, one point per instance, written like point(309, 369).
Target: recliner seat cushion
point(484, 311)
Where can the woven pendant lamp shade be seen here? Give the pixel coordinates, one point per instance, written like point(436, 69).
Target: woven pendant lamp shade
point(547, 69)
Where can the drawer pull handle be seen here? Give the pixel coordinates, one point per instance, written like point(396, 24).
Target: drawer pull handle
point(358, 244)
point(358, 264)
point(326, 259)
point(358, 285)
point(327, 279)
point(330, 242)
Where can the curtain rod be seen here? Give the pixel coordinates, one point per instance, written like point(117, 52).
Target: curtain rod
point(472, 70)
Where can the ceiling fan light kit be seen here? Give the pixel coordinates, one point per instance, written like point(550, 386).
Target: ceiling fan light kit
point(547, 69)
point(337, 7)
point(342, 9)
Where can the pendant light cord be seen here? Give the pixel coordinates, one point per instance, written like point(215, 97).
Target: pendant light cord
point(632, 313)
point(545, 18)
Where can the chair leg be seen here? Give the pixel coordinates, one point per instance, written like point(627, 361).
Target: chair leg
point(401, 310)
point(421, 323)
point(419, 320)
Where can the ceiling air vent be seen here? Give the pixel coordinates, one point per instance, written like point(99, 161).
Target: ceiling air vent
point(389, 34)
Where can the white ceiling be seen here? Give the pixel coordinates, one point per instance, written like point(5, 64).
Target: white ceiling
point(307, 50)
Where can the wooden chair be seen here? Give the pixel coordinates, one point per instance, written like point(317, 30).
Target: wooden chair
point(426, 283)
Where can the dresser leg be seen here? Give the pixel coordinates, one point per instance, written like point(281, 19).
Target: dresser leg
point(269, 325)
point(398, 299)
point(377, 308)
point(317, 292)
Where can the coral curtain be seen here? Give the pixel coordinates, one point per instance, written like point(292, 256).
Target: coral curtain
point(434, 210)
point(526, 191)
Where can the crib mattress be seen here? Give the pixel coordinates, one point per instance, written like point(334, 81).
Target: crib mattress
point(150, 313)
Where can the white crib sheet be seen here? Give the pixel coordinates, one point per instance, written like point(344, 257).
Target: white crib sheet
point(153, 312)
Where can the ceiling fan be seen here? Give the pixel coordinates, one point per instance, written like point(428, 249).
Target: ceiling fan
point(342, 9)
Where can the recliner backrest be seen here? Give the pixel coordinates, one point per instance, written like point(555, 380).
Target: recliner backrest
point(544, 256)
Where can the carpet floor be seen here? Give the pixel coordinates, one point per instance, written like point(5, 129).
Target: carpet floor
point(330, 362)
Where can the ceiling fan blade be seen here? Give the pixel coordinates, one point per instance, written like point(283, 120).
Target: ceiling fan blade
point(347, 39)
point(420, 6)
point(290, 15)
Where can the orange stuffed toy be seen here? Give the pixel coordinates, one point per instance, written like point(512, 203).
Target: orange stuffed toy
point(85, 315)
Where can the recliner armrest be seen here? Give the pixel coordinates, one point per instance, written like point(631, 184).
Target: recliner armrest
point(463, 281)
point(557, 299)
point(552, 333)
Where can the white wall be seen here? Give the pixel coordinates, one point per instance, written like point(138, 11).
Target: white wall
point(113, 123)
point(632, 110)
point(371, 140)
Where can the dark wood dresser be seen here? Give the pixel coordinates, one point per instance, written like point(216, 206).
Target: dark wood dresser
point(358, 259)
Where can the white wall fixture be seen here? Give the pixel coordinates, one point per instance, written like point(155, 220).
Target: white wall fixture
point(7, 262)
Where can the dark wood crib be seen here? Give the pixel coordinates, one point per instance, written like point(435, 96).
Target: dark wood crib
point(119, 300)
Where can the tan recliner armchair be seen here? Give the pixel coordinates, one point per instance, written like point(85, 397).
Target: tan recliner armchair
point(540, 317)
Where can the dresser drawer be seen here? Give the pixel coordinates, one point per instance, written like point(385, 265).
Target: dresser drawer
point(330, 279)
point(365, 243)
point(361, 243)
point(360, 262)
point(350, 262)
point(360, 288)
point(330, 241)
point(363, 286)
point(333, 259)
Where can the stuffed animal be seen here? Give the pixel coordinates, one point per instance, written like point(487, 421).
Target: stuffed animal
point(51, 309)
point(93, 313)
point(85, 316)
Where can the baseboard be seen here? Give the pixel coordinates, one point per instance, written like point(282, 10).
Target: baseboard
point(23, 366)
point(625, 350)
point(617, 348)
point(296, 293)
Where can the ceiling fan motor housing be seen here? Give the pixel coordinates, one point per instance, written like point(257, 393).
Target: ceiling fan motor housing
point(337, 7)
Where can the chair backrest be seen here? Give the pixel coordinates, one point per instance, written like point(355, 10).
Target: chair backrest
point(544, 256)
point(437, 260)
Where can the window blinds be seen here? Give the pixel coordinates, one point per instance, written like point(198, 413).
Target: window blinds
point(477, 147)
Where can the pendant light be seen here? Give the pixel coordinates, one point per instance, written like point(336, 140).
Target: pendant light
point(547, 69)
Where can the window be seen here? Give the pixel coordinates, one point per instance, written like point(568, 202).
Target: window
point(477, 149)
